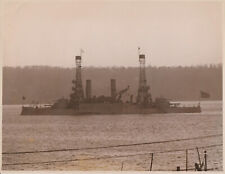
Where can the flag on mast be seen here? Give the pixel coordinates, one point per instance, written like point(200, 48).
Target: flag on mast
point(81, 51)
point(139, 50)
point(204, 94)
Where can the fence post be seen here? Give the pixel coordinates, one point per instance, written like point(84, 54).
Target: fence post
point(121, 167)
point(186, 160)
point(199, 158)
point(151, 162)
point(205, 157)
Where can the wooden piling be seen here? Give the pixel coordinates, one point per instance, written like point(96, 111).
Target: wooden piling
point(121, 167)
point(205, 158)
point(199, 158)
point(150, 169)
point(186, 160)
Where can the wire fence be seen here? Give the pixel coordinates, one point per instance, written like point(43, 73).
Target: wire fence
point(114, 146)
point(115, 156)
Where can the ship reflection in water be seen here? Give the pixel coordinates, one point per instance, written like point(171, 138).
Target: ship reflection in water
point(78, 104)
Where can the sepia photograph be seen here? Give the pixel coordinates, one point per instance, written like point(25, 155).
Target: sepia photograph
point(108, 85)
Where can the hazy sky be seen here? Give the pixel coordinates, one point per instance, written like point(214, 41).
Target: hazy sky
point(169, 33)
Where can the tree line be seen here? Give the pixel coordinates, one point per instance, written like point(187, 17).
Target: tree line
point(44, 84)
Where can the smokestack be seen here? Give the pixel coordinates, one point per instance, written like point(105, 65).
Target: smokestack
point(113, 89)
point(88, 89)
point(78, 85)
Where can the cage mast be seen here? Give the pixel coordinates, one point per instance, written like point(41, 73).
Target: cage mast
point(143, 96)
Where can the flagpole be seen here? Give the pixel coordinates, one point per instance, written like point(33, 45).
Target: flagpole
point(22, 101)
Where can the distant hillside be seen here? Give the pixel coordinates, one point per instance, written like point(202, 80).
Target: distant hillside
point(46, 84)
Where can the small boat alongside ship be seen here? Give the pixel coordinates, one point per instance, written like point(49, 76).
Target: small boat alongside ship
point(80, 104)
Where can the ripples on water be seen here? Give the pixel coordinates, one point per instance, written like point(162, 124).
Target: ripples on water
point(32, 133)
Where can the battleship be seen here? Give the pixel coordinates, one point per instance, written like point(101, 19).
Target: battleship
point(86, 104)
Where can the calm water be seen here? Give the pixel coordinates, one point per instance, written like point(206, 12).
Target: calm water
point(35, 133)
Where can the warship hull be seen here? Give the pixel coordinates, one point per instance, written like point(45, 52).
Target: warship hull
point(78, 104)
point(106, 109)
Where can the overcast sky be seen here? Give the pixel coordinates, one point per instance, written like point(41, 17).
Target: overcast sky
point(169, 33)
